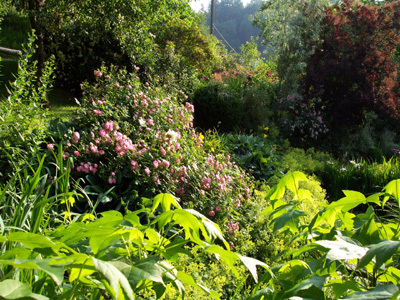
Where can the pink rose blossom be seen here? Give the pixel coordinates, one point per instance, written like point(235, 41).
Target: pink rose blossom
point(50, 146)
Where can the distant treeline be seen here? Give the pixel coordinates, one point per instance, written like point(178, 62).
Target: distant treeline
point(233, 21)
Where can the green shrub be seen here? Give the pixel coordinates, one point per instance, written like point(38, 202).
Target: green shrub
point(236, 99)
point(129, 141)
point(309, 161)
point(253, 153)
point(15, 28)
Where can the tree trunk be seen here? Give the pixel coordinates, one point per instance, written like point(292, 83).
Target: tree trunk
point(35, 6)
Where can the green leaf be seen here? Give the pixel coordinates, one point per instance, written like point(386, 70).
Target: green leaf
point(56, 273)
point(31, 240)
point(383, 251)
point(115, 279)
point(188, 279)
point(352, 199)
point(251, 264)
point(342, 287)
point(213, 230)
point(289, 181)
point(341, 250)
point(263, 294)
point(382, 292)
point(14, 290)
point(146, 269)
point(310, 288)
point(227, 256)
point(165, 200)
point(289, 219)
point(393, 189)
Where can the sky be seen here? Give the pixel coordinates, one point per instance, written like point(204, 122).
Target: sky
point(196, 5)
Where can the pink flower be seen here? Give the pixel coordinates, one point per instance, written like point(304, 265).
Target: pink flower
point(162, 150)
point(218, 208)
point(103, 132)
point(50, 146)
point(76, 153)
point(76, 137)
point(211, 213)
point(155, 164)
point(166, 163)
point(147, 171)
point(65, 155)
point(98, 73)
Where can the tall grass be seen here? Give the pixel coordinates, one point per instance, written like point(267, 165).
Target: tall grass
point(364, 176)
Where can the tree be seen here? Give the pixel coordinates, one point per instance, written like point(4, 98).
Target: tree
point(353, 70)
point(290, 29)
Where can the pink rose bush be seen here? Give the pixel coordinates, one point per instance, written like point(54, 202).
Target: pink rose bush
point(143, 142)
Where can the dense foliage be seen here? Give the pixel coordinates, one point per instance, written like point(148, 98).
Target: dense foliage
point(352, 70)
point(175, 176)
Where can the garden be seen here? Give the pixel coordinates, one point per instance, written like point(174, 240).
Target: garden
point(139, 159)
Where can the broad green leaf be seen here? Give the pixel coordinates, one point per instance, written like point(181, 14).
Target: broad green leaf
point(289, 181)
point(251, 264)
point(190, 223)
point(341, 287)
point(382, 292)
point(166, 200)
point(264, 294)
point(342, 250)
point(391, 275)
point(382, 251)
point(31, 240)
point(103, 236)
point(146, 269)
point(368, 233)
point(14, 290)
point(213, 230)
point(115, 278)
point(188, 279)
point(392, 189)
point(310, 288)
point(351, 200)
point(56, 273)
point(172, 250)
point(227, 256)
point(80, 265)
point(289, 219)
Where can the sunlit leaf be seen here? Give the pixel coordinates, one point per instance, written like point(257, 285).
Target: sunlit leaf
point(342, 287)
point(115, 278)
point(15, 290)
point(146, 269)
point(56, 273)
point(289, 219)
point(251, 264)
point(381, 292)
point(382, 251)
point(342, 250)
point(392, 189)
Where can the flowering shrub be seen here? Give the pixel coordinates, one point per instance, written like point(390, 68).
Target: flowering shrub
point(303, 123)
point(139, 141)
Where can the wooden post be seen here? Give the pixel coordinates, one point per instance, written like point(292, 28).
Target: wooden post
point(10, 51)
point(212, 18)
